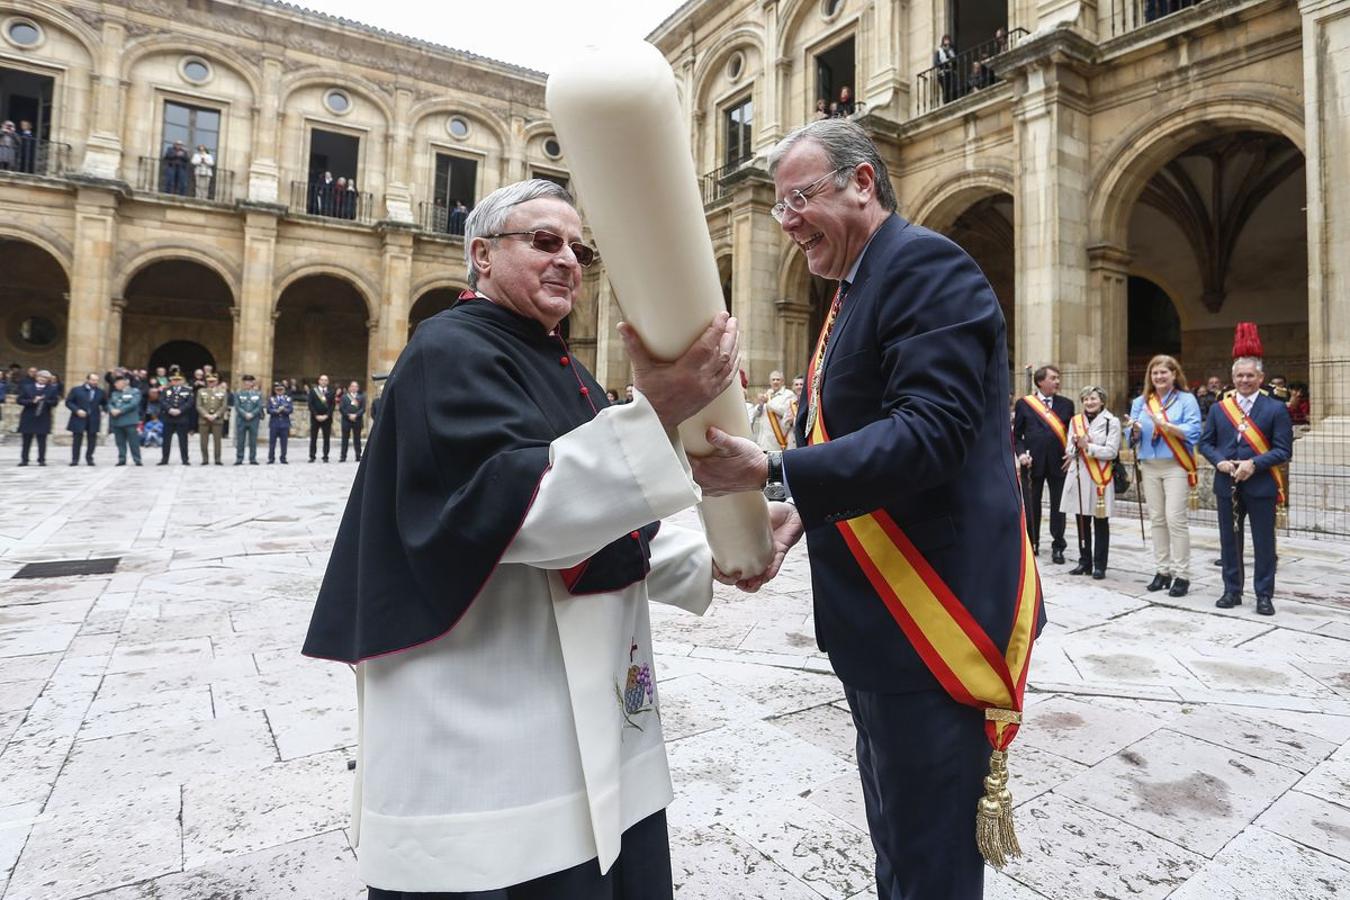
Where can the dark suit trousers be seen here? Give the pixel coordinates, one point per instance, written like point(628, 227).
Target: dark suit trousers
point(80, 437)
point(175, 428)
point(28, 443)
point(1261, 513)
point(351, 431)
point(1057, 518)
point(642, 872)
point(923, 758)
point(326, 427)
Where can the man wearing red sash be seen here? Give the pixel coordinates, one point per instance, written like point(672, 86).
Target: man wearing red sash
point(1248, 437)
point(901, 476)
point(1041, 435)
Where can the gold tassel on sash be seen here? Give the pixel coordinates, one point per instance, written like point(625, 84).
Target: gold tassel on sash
point(1193, 499)
point(1282, 517)
point(1100, 511)
point(994, 833)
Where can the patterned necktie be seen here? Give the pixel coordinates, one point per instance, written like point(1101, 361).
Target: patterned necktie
point(817, 372)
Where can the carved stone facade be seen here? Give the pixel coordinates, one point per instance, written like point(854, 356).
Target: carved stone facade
point(1132, 175)
point(109, 254)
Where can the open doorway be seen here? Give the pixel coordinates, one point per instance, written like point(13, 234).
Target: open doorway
point(27, 97)
point(973, 22)
point(835, 71)
point(332, 152)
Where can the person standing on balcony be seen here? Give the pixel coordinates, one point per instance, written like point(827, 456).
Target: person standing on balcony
point(176, 162)
point(846, 104)
point(457, 217)
point(28, 147)
point(944, 60)
point(822, 110)
point(203, 172)
point(350, 202)
point(9, 147)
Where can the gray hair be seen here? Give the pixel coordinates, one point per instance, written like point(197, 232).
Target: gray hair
point(491, 213)
point(1090, 390)
point(847, 146)
point(1254, 360)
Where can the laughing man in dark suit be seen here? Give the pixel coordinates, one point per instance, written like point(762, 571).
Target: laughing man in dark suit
point(910, 505)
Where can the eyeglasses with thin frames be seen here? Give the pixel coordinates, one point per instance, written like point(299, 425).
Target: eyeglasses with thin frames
point(548, 242)
point(796, 200)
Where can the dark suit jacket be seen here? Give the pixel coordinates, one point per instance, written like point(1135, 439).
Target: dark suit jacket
point(1032, 435)
point(37, 403)
point(915, 395)
point(1220, 441)
point(80, 398)
point(321, 402)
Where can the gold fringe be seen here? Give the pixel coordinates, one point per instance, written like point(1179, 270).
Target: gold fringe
point(1100, 511)
point(1282, 517)
point(1193, 499)
point(994, 833)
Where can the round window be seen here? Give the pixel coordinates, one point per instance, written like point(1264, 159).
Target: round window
point(457, 127)
point(38, 331)
point(830, 8)
point(24, 33)
point(337, 102)
point(735, 65)
point(552, 149)
point(196, 71)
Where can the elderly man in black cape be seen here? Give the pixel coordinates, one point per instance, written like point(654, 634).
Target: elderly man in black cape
point(490, 582)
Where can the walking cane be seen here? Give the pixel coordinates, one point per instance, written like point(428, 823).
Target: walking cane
point(1138, 484)
point(1026, 470)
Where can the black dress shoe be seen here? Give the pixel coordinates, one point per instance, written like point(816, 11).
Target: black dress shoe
point(23, 463)
point(1228, 601)
point(1057, 556)
point(1179, 588)
point(1264, 606)
point(1081, 569)
point(1159, 582)
point(75, 463)
point(1219, 561)
point(122, 463)
point(162, 462)
point(1099, 574)
point(252, 462)
point(1035, 549)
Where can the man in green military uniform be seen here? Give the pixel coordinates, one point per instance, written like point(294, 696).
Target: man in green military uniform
point(213, 402)
point(248, 407)
point(124, 413)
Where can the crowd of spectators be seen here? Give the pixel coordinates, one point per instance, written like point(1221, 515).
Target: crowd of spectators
point(841, 107)
point(336, 198)
point(188, 174)
point(18, 147)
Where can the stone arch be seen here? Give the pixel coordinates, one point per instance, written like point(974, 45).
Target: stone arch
point(140, 257)
point(364, 289)
point(87, 37)
point(431, 301)
point(346, 80)
point(211, 51)
point(57, 247)
point(794, 13)
point(176, 298)
point(944, 203)
point(1137, 154)
point(34, 311)
point(705, 72)
point(441, 105)
point(321, 325)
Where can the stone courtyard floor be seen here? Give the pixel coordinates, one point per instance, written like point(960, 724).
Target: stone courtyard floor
point(163, 738)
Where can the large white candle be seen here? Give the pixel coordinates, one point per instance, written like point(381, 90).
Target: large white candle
point(617, 114)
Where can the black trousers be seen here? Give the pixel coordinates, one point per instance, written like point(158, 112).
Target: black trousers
point(922, 758)
point(1057, 519)
point(1094, 540)
point(28, 443)
point(642, 872)
point(273, 436)
point(326, 427)
point(181, 430)
point(1260, 512)
point(79, 439)
point(351, 430)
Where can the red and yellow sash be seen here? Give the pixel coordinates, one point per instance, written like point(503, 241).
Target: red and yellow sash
point(1055, 423)
point(776, 425)
point(1255, 438)
point(1184, 457)
point(1098, 470)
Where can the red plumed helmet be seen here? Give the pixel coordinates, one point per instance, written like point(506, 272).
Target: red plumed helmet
point(1246, 341)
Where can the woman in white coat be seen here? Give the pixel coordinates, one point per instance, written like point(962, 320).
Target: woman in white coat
point(1089, 490)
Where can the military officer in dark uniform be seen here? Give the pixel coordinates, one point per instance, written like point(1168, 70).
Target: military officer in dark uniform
point(248, 412)
point(321, 399)
point(353, 411)
point(37, 397)
point(177, 405)
point(1040, 449)
point(124, 414)
point(86, 404)
point(279, 409)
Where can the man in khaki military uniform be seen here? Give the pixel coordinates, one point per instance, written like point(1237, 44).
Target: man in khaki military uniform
point(213, 402)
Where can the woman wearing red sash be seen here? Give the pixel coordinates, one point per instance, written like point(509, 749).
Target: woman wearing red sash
point(1089, 492)
point(1165, 425)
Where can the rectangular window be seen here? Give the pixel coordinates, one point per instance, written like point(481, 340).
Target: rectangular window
point(455, 193)
point(736, 123)
point(192, 125)
point(555, 177)
point(333, 152)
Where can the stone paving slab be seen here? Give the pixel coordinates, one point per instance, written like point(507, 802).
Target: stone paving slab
point(161, 737)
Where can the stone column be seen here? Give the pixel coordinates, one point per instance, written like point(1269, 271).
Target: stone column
point(90, 282)
point(766, 133)
point(103, 147)
point(756, 242)
point(398, 179)
point(1108, 315)
point(112, 338)
point(1326, 96)
point(263, 173)
point(390, 325)
point(886, 90)
point(1054, 311)
point(1080, 15)
point(612, 368)
point(254, 329)
point(794, 343)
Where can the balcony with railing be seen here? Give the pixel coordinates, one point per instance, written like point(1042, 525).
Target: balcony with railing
point(178, 178)
point(713, 187)
point(437, 218)
point(332, 201)
point(1127, 15)
point(30, 156)
point(968, 72)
